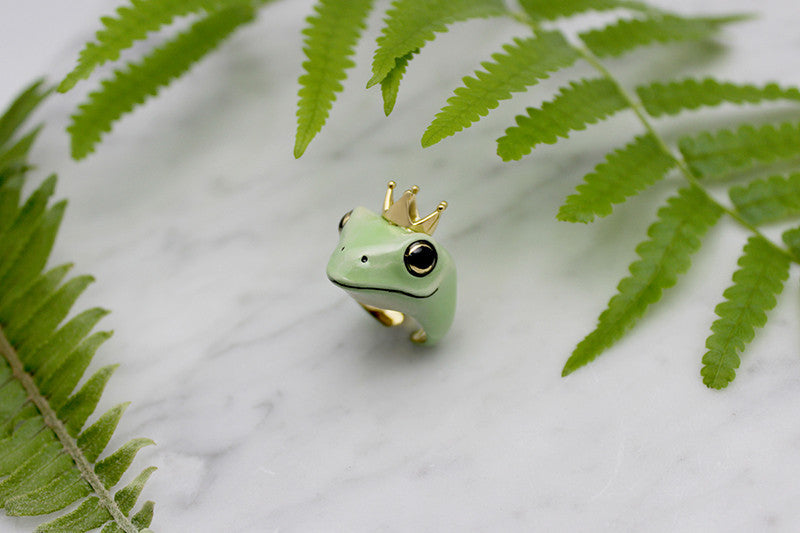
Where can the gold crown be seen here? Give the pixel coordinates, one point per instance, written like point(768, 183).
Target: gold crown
point(404, 211)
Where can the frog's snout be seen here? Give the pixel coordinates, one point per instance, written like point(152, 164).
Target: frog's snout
point(347, 265)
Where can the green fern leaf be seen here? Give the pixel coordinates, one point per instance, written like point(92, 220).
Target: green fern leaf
point(582, 103)
point(716, 154)
point(46, 463)
point(43, 466)
point(132, 86)
point(666, 254)
point(87, 516)
point(625, 173)
point(20, 110)
point(625, 35)
point(410, 24)
point(95, 438)
point(37, 248)
point(126, 499)
point(330, 40)
point(131, 24)
point(144, 516)
point(768, 200)
point(791, 238)
point(390, 85)
point(548, 10)
point(9, 199)
point(18, 153)
point(673, 97)
point(762, 271)
point(523, 64)
point(20, 230)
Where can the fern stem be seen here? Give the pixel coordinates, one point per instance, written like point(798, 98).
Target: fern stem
point(638, 110)
point(70, 445)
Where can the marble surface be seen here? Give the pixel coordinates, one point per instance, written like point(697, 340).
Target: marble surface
point(278, 405)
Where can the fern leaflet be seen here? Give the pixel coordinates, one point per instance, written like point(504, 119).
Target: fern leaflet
point(19, 111)
point(673, 97)
point(523, 64)
point(791, 238)
point(132, 86)
point(582, 103)
point(625, 173)
point(131, 24)
point(768, 200)
point(763, 269)
point(625, 35)
point(13, 158)
point(716, 154)
point(549, 10)
point(412, 23)
point(46, 461)
point(390, 85)
point(673, 238)
point(331, 36)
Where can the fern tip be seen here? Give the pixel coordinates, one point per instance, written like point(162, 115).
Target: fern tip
point(300, 149)
point(65, 85)
point(568, 369)
point(570, 366)
point(427, 140)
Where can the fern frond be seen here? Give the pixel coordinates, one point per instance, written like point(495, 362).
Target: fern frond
point(131, 23)
point(666, 254)
point(523, 64)
point(724, 151)
point(132, 86)
point(540, 10)
point(330, 39)
point(46, 461)
point(625, 35)
point(762, 271)
point(625, 173)
point(574, 107)
point(768, 200)
point(410, 24)
point(676, 96)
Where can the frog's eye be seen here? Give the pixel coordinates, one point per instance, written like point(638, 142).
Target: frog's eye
point(344, 220)
point(420, 258)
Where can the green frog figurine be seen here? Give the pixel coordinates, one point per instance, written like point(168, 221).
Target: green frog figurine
point(392, 266)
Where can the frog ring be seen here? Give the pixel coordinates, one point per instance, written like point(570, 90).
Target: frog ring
point(394, 269)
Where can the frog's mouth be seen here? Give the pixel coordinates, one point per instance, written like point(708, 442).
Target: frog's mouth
point(381, 289)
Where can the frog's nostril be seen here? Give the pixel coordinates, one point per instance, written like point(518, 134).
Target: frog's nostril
point(343, 248)
point(364, 259)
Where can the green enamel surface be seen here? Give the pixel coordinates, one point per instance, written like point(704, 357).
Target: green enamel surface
point(383, 281)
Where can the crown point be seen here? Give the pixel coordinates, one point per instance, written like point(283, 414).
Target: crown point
point(404, 212)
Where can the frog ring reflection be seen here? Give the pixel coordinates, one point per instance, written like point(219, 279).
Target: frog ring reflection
point(392, 266)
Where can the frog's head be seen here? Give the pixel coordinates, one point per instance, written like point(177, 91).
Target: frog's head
point(393, 267)
point(375, 255)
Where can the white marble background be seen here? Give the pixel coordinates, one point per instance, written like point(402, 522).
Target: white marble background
point(278, 405)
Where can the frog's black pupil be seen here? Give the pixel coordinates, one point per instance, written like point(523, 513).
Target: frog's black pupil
point(344, 220)
point(420, 258)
